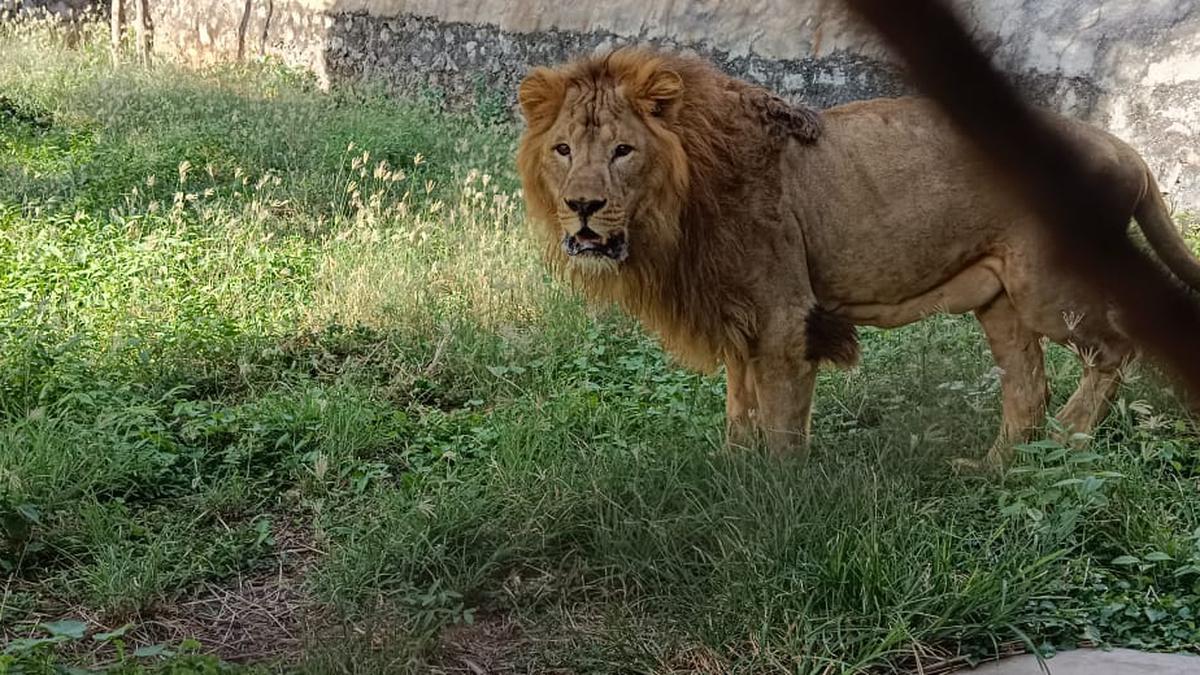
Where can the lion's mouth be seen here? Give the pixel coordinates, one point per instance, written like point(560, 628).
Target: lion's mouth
point(614, 247)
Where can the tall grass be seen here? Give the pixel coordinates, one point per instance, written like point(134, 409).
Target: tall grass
point(236, 312)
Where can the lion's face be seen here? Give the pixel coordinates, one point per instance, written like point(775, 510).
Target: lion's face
point(597, 159)
point(596, 162)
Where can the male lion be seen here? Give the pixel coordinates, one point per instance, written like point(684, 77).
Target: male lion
point(749, 232)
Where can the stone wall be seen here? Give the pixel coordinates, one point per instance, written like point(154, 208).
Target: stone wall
point(66, 9)
point(1132, 66)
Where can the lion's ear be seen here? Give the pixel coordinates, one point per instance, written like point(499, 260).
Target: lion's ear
point(541, 95)
point(660, 91)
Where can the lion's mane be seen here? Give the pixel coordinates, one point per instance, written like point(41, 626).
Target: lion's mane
point(687, 280)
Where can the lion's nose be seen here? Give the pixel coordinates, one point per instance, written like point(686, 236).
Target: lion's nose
point(585, 207)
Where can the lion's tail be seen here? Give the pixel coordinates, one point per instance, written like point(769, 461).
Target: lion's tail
point(1164, 237)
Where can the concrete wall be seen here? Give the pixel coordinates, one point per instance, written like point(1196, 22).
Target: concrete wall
point(1132, 66)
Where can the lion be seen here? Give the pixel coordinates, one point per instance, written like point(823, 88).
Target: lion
point(748, 232)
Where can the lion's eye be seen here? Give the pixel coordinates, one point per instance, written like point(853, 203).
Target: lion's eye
point(563, 149)
point(622, 150)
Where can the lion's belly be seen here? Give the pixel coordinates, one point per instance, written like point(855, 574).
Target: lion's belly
point(973, 287)
point(871, 269)
point(892, 269)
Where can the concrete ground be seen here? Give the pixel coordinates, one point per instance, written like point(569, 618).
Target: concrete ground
point(1095, 662)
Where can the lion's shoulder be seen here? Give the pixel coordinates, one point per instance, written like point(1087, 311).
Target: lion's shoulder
point(780, 117)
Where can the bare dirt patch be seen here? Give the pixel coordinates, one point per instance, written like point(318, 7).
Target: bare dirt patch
point(258, 617)
point(492, 645)
point(254, 618)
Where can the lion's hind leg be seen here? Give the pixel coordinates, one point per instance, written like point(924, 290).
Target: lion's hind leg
point(1018, 353)
point(1098, 385)
point(1086, 328)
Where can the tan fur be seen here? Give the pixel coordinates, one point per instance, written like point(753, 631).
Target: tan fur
point(760, 232)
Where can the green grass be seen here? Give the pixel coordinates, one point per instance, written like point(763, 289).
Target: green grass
point(250, 331)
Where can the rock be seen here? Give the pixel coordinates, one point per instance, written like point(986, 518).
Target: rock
point(1095, 662)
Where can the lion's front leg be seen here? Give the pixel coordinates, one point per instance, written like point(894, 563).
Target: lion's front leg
point(741, 404)
point(785, 387)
